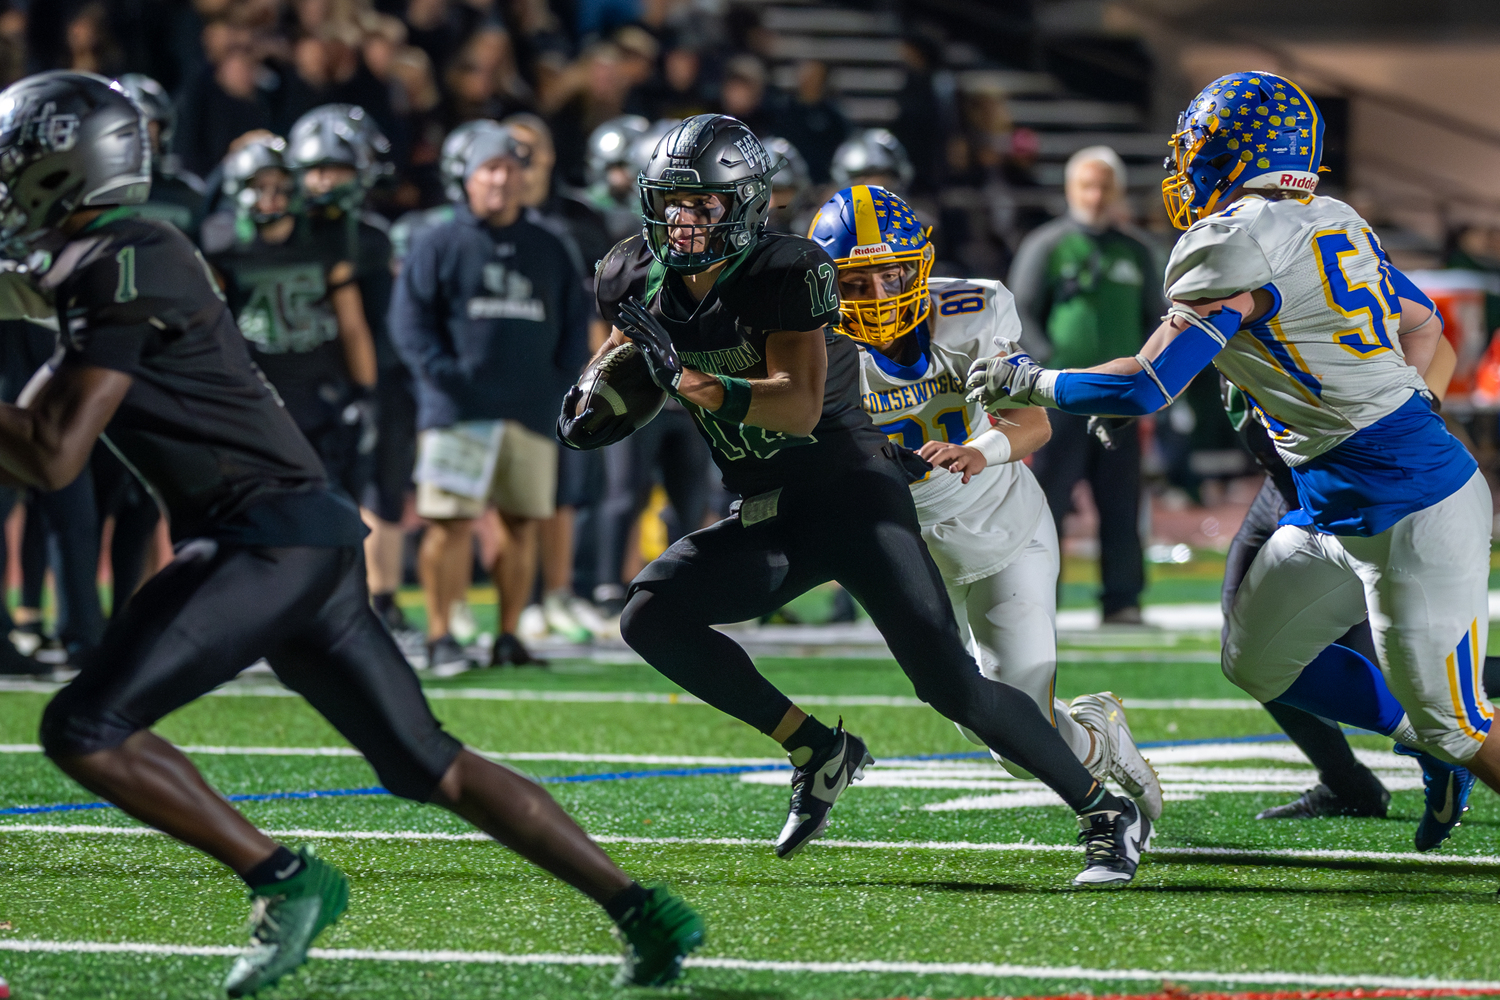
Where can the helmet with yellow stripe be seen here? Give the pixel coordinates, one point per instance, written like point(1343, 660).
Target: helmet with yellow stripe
point(868, 228)
point(1257, 131)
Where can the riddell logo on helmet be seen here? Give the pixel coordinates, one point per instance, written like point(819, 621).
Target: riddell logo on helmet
point(1299, 181)
point(873, 250)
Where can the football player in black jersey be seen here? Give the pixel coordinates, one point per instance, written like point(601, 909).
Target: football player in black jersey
point(736, 323)
point(268, 557)
point(294, 291)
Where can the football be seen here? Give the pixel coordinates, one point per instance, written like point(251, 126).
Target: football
point(619, 384)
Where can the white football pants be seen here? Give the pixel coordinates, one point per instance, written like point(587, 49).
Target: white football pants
point(1423, 582)
point(1010, 619)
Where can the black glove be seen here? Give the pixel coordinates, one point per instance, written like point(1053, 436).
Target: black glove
point(655, 343)
point(1108, 429)
point(591, 428)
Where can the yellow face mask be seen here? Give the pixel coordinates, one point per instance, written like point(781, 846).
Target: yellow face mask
point(881, 320)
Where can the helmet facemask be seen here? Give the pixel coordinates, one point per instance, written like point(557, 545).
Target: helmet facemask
point(882, 320)
point(690, 228)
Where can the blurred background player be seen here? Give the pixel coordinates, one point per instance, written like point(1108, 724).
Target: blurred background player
point(176, 194)
point(1086, 292)
point(489, 315)
point(872, 156)
point(791, 187)
point(294, 294)
point(983, 516)
point(610, 168)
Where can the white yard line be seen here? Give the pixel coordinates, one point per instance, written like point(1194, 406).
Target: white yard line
point(1165, 853)
point(988, 970)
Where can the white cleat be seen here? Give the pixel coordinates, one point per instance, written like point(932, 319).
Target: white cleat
point(1103, 715)
point(1113, 842)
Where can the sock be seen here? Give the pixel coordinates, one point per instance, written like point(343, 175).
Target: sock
point(619, 906)
point(1341, 685)
point(1102, 800)
point(277, 868)
point(383, 602)
point(810, 737)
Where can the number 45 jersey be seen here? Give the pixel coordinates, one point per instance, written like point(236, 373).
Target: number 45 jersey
point(974, 529)
point(1324, 368)
point(778, 283)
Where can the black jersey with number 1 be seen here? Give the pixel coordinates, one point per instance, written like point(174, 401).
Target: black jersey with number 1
point(780, 283)
point(199, 424)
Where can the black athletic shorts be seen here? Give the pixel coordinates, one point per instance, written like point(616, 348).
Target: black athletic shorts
point(216, 609)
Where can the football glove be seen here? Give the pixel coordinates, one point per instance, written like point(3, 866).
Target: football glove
point(587, 430)
point(1109, 430)
point(360, 412)
point(655, 344)
point(1004, 383)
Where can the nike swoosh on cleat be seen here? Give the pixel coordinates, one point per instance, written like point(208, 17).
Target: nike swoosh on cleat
point(1445, 814)
point(831, 786)
point(288, 870)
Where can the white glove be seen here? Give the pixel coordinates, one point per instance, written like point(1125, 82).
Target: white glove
point(1010, 382)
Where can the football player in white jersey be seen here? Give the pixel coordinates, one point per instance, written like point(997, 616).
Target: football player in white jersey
point(1291, 296)
point(983, 515)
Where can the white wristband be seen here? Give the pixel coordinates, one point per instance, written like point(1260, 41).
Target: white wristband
point(993, 445)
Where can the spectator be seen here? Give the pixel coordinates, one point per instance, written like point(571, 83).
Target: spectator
point(91, 46)
point(489, 315)
point(1087, 291)
point(483, 81)
point(811, 121)
point(743, 94)
point(439, 28)
point(678, 93)
point(920, 123)
point(224, 102)
point(590, 93)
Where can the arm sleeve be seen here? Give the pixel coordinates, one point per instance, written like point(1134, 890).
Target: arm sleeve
point(1215, 261)
point(415, 316)
point(1028, 283)
point(1159, 380)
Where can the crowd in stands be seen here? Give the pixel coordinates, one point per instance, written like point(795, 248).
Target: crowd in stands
point(345, 147)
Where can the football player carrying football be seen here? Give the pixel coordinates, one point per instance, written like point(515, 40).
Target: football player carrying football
point(735, 322)
point(268, 556)
point(983, 515)
point(1291, 296)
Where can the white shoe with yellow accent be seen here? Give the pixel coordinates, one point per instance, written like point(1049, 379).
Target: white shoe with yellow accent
point(1103, 716)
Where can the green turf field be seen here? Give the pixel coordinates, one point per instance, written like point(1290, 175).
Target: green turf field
point(938, 878)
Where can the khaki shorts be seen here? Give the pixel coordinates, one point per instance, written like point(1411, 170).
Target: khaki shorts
point(524, 483)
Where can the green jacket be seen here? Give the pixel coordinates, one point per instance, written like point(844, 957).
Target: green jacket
point(1088, 295)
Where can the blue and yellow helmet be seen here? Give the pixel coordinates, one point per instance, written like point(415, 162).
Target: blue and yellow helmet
point(864, 226)
point(1245, 130)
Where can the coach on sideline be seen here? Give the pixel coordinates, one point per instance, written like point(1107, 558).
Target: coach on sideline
point(490, 316)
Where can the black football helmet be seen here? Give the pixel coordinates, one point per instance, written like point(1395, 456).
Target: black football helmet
point(154, 103)
point(710, 155)
point(67, 141)
point(340, 135)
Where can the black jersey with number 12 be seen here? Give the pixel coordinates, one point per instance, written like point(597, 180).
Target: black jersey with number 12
point(780, 283)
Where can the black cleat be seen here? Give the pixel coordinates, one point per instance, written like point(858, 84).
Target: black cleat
point(446, 658)
point(817, 785)
point(1320, 801)
point(1112, 845)
point(510, 651)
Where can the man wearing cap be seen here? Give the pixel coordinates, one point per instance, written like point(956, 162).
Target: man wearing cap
point(490, 316)
point(1088, 291)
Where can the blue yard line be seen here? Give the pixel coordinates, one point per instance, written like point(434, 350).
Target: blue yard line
point(574, 779)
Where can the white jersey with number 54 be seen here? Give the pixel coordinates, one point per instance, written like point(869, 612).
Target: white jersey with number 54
point(1325, 362)
point(973, 530)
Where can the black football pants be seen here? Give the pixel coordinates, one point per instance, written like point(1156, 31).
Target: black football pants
point(859, 528)
point(216, 609)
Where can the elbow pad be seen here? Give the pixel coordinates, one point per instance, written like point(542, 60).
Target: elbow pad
point(1159, 380)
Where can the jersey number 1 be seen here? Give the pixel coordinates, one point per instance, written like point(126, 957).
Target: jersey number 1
point(125, 291)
